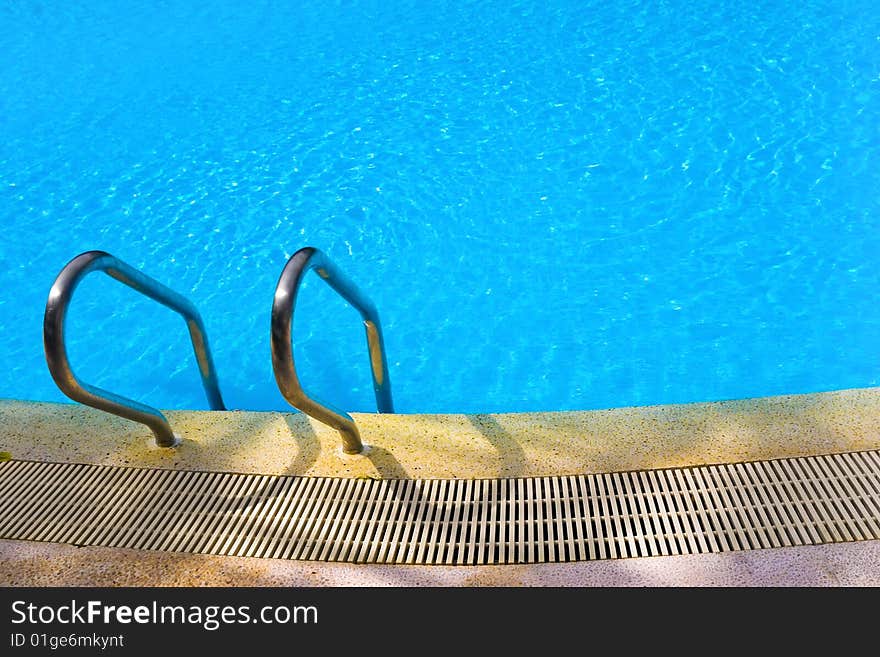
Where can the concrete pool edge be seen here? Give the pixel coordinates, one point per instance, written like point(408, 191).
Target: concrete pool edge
point(457, 445)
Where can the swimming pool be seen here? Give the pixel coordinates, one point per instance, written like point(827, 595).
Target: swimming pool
point(556, 205)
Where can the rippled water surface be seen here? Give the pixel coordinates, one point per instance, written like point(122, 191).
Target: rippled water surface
point(554, 205)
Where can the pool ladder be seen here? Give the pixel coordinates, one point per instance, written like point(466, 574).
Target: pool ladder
point(283, 364)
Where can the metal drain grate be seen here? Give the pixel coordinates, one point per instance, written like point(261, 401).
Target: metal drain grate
point(716, 508)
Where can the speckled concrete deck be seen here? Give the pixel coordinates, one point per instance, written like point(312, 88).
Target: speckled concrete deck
point(450, 446)
point(457, 446)
point(51, 564)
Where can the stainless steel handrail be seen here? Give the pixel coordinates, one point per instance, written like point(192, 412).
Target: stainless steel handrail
point(56, 349)
point(282, 350)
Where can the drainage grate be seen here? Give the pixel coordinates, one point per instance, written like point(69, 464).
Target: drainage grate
point(715, 508)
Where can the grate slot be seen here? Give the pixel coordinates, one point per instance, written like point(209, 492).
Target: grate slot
point(845, 490)
point(817, 493)
point(231, 513)
point(870, 496)
point(219, 500)
point(133, 489)
point(258, 540)
point(188, 513)
point(564, 538)
point(82, 517)
point(574, 513)
point(584, 505)
point(742, 490)
point(775, 516)
point(692, 518)
point(43, 496)
point(173, 499)
point(653, 526)
point(345, 503)
point(812, 513)
point(416, 517)
point(474, 521)
point(662, 529)
point(719, 536)
point(241, 534)
point(26, 494)
point(437, 544)
point(454, 536)
point(541, 537)
point(504, 550)
point(368, 514)
point(424, 521)
point(728, 519)
point(147, 503)
point(19, 482)
point(68, 501)
point(738, 519)
point(370, 522)
point(621, 513)
point(674, 532)
point(790, 503)
point(323, 519)
point(115, 489)
point(600, 521)
point(302, 497)
point(405, 494)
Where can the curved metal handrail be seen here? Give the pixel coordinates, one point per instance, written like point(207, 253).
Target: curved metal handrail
point(282, 350)
point(56, 349)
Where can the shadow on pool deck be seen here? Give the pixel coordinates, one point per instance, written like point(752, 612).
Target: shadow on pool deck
point(386, 465)
point(307, 443)
point(513, 458)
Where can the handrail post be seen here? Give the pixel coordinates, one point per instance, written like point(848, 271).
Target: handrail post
point(56, 349)
point(283, 365)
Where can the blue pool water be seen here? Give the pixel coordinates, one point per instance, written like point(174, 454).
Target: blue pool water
point(554, 205)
